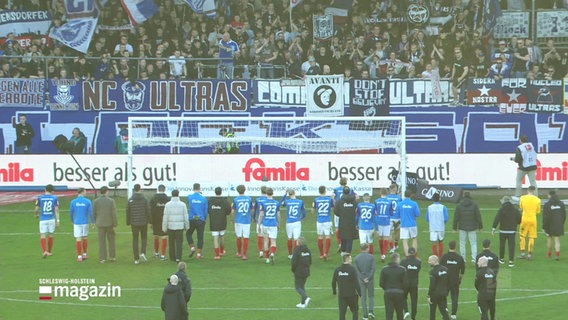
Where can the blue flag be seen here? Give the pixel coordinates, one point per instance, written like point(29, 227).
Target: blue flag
point(205, 7)
point(491, 11)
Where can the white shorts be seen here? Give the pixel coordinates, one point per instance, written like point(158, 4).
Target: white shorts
point(47, 226)
point(395, 222)
point(80, 230)
point(366, 236)
point(437, 235)
point(242, 230)
point(336, 221)
point(384, 231)
point(323, 228)
point(218, 233)
point(271, 232)
point(293, 230)
point(408, 233)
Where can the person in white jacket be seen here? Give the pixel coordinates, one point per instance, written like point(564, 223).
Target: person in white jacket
point(174, 223)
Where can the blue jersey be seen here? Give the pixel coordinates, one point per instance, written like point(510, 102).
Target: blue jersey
point(394, 199)
point(383, 208)
point(81, 210)
point(242, 205)
point(47, 203)
point(295, 210)
point(338, 192)
point(227, 50)
point(257, 205)
point(366, 216)
point(271, 208)
point(437, 216)
point(197, 207)
point(323, 205)
point(408, 211)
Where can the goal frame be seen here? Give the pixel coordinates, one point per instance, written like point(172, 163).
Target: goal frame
point(401, 150)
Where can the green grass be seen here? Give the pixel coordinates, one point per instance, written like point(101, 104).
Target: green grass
point(235, 289)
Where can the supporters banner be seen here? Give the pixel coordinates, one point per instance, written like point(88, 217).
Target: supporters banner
point(551, 24)
point(23, 93)
point(483, 91)
point(512, 23)
point(369, 97)
point(323, 27)
point(205, 7)
point(515, 95)
point(324, 95)
point(154, 96)
point(545, 96)
point(418, 93)
point(77, 32)
point(24, 25)
point(139, 11)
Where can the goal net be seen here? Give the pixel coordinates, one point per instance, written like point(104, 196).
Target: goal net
point(275, 135)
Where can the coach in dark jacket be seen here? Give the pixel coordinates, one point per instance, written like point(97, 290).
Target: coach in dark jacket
point(438, 289)
point(173, 303)
point(345, 209)
point(413, 266)
point(346, 279)
point(553, 219)
point(138, 216)
point(301, 262)
point(507, 219)
point(492, 260)
point(456, 269)
point(467, 219)
point(486, 285)
point(392, 281)
point(104, 212)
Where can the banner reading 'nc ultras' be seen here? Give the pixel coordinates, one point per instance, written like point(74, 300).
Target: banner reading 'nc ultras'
point(166, 95)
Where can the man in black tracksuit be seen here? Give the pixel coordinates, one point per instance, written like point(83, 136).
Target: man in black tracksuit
point(508, 218)
point(438, 289)
point(392, 281)
point(345, 277)
point(138, 216)
point(456, 268)
point(412, 266)
point(218, 208)
point(157, 204)
point(486, 285)
point(301, 262)
point(344, 208)
point(492, 260)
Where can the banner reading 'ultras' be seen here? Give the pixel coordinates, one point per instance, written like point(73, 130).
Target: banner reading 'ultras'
point(545, 96)
point(369, 97)
point(324, 95)
point(165, 95)
point(25, 93)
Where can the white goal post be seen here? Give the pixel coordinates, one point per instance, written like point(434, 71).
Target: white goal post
point(274, 135)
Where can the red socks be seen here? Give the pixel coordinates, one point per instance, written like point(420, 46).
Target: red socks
point(217, 252)
point(84, 245)
point(156, 245)
point(440, 249)
point(245, 246)
point(273, 250)
point(327, 245)
point(435, 249)
point(239, 245)
point(320, 246)
point(371, 249)
point(164, 245)
point(42, 243)
point(49, 243)
point(78, 247)
point(289, 246)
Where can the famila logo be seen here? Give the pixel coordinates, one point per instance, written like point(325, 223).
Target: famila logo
point(559, 173)
point(13, 173)
point(255, 170)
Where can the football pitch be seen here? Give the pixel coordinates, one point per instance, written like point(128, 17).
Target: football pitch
point(236, 289)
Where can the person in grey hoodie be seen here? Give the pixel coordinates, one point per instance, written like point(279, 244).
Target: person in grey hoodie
point(138, 216)
point(365, 265)
point(174, 223)
point(173, 303)
point(467, 219)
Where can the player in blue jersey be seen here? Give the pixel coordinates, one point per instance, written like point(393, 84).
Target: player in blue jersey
point(198, 210)
point(259, 236)
point(81, 212)
point(366, 221)
point(337, 193)
point(395, 220)
point(269, 219)
point(437, 216)
point(322, 206)
point(408, 211)
point(295, 213)
point(47, 210)
point(383, 209)
point(241, 211)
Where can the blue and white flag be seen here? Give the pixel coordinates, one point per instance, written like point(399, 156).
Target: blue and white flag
point(76, 33)
point(206, 7)
point(139, 10)
point(491, 11)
